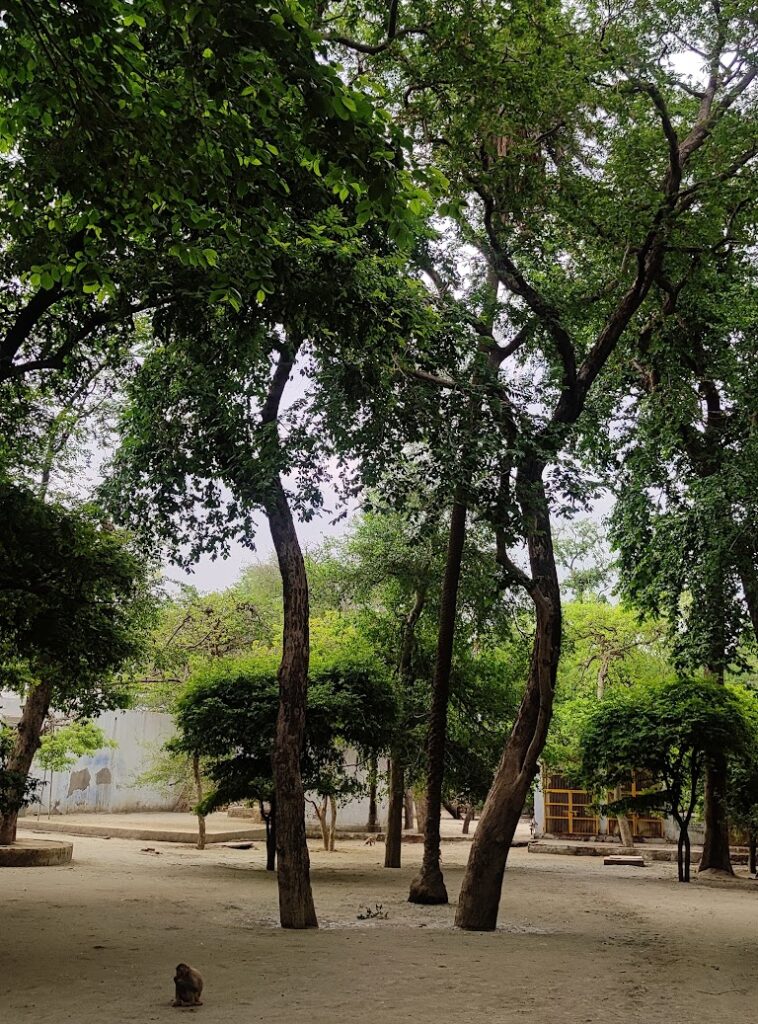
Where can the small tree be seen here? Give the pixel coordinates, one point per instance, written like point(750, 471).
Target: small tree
point(228, 714)
point(73, 610)
point(669, 732)
point(742, 788)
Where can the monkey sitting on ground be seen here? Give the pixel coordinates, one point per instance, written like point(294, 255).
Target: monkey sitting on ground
point(189, 985)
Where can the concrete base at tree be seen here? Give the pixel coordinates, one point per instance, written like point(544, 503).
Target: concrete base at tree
point(624, 859)
point(36, 853)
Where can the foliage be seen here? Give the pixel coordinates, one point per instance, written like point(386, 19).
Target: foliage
point(60, 748)
point(229, 712)
point(17, 789)
point(668, 732)
point(75, 605)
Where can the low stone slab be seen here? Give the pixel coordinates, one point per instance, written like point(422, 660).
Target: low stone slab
point(36, 853)
point(627, 859)
point(151, 834)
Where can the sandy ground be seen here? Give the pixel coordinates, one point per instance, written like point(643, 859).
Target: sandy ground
point(97, 942)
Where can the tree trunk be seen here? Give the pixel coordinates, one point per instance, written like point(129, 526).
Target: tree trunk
point(429, 887)
point(372, 825)
point(452, 810)
point(199, 793)
point(321, 815)
point(296, 908)
point(625, 831)
point(687, 854)
point(408, 809)
point(482, 883)
point(28, 732)
point(269, 819)
point(751, 854)
point(332, 823)
point(393, 839)
point(420, 801)
point(467, 819)
point(716, 842)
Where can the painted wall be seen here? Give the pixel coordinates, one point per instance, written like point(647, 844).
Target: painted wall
point(106, 780)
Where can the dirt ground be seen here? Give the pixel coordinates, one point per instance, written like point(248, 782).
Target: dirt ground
point(96, 942)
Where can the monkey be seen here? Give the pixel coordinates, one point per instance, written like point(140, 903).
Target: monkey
point(189, 985)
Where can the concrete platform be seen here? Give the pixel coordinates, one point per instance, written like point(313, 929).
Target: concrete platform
point(666, 854)
point(157, 827)
point(30, 852)
point(627, 860)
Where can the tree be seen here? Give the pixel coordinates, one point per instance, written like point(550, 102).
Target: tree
point(74, 610)
point(686, 495)
point(669, 732)
point(597, 154)
point(229, 711)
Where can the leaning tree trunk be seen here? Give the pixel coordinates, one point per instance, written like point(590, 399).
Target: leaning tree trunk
point(716, 842)
point(625, 831)
point(28, 733)
point(480, 893)
point(394, 836)
point(296, 908)
point(199, 794)
point(429, 886)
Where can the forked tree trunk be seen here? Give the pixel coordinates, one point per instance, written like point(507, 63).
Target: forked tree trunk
point(429, 886)
point(394, 836)
point(408, 809)
point(28, 733)
point(321, 815)
point(716, 842)
point(480, 893)
point(296, 908)
point(372, 825)
point(199, 794)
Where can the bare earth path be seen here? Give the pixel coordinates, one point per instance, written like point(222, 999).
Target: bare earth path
point(96, 942)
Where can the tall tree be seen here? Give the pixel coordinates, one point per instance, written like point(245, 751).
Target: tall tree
point(582, 163)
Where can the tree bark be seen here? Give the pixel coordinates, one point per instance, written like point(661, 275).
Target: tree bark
point(420, 801)
point(716, 843)
point(626, 835)
point(296, 907)
point(372, 825)
point(199, 793)
point(393, 840)
point(408, 809)
point(452, 810)
point(429, 886)
point(332, 823)
point(752, 844)
point(321, 815)
point(467, 820)
point(269, 819)
point(28, 733)
point(482, 883)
